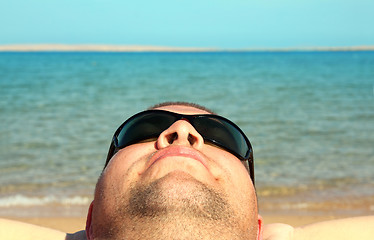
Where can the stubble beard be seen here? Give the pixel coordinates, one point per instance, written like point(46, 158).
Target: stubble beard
point(176, 206)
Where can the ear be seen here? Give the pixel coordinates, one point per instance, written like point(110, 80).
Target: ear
point(89, 222)
point(260, 225)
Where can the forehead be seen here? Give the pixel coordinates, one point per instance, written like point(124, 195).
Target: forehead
point(183, 109)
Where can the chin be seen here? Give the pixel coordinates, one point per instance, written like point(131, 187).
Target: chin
point(176, 192)
point(179, 185)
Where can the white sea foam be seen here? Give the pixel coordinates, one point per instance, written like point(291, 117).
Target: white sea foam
point(26, 201)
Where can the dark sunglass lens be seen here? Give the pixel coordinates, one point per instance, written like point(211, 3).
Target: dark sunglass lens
point(223, 134)
point(143, 127)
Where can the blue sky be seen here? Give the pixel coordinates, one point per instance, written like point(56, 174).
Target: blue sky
point(192, 23)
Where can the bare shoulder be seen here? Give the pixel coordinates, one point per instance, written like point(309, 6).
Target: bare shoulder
point(15, 230)
point(278, 231)
point(348, 228)
point(343, 229)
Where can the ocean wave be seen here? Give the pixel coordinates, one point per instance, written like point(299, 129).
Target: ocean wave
point(26, 201)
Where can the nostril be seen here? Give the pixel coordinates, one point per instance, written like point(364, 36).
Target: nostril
point(171, 137)
point(191, 139)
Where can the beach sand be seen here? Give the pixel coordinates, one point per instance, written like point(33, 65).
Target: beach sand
point(140, 48)
point(74, 224)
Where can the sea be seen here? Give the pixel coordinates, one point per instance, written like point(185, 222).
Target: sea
point(309, 116)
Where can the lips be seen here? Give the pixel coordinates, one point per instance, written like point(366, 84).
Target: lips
point(177, 151)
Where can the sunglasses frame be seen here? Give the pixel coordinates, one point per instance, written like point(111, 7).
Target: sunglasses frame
point(248, 158)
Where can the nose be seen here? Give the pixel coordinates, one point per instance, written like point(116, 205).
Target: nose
point(181, 133)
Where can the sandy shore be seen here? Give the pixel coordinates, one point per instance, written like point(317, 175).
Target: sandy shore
point(71, 224)
point(137, 48)
point(97, 48)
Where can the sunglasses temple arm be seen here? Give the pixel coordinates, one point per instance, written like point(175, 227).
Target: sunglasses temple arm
point(251, 168)
point(111, 152)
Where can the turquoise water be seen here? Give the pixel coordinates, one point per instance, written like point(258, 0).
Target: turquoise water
point(309, 116)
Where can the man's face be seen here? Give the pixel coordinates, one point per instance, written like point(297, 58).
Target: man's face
point(175, 184)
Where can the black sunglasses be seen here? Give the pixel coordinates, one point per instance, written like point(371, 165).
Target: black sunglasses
point(214, 129)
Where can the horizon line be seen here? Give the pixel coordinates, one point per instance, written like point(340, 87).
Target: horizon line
point(144, 48)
